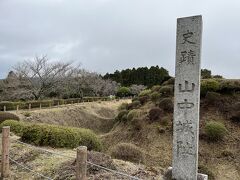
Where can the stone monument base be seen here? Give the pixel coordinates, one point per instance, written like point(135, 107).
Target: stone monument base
point(168, 175)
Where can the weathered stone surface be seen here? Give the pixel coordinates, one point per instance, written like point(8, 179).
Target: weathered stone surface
point(168, 175)
point(187, 97)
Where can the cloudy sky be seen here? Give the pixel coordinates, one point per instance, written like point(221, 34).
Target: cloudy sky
point(105, 35)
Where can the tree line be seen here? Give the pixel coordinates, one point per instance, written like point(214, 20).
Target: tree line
point(41, 78)
point(140, 76)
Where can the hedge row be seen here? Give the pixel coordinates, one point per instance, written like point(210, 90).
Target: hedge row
point(47, 103)
point(6, 115)
point(223, 86)
point(53, 135)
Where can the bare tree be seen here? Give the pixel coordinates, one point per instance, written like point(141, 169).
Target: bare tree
point(42, 75)
point(136, 89)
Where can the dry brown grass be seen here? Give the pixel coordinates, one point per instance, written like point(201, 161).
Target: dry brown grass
point(92, 115)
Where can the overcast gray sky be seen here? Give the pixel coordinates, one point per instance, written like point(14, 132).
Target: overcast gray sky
point(106, 35)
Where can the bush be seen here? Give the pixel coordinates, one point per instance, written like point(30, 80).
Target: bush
point(155, 96)
point(215, 130)
point(166, 90)
point(143, 99)
point(58, 101)
point(123, 106)
point(145, 92)
point(155, 113)
point(137, 124)
point(6, 116)
point(132, 114)
point(55, 136)
point(36, 104)
point(165, 121)
point(123, 92)
point(134, 104)
point(169, 82)
point(236, 117)
point(135, 98)
point(212, 98)
point(229, 86)
point(122, 115)
point(166, 104)
point(156, 88)
point(15, 126)
point(10, 105)
point(27, 114)
point(127, 152)
point(209, 85)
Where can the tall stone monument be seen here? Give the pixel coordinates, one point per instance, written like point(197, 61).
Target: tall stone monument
point(187, 98)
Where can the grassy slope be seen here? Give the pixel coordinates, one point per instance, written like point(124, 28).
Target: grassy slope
point(97, 116)
point(221, 158)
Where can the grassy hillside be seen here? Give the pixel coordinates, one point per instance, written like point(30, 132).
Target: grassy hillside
point(147, 123)
point(97, 116)
point(140, 131)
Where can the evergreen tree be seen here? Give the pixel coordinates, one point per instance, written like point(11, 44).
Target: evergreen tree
point(140, 76)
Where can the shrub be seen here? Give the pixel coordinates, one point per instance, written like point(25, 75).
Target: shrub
point(206, 74)
point(127, 152)
point(212, 98)
point(123, 106)
point(135, 98)
point(155, 96)
point(137, 124)
point(132, 114)
point(217, 77)
point(10, 105)
point(143, 99)
point(121, 114)
point(169, 82)
point(229, 86)
point(124, 118)
point(58, 101)
point(166, 90)
point(209, 85)
point(123, 92)
point(36, 104)
point(27, 114)
point(145, 92)
point(134, 104)
point(215, 130)
point(6, 116)
point(156, 88)
point(155, 113)
point(166, 104)
point(15, 126)
point(55, 136)
point(165, 121)
point(236, 117)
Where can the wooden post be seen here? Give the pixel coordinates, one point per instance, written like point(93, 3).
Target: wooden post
point(17, 108)
point(29, 106)
point(40, 106)
point(81, 163)
point(5, 152)
point(58, 104)
point(4, 108)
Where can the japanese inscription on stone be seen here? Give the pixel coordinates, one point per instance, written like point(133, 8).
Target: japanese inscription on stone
point(186, 103)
